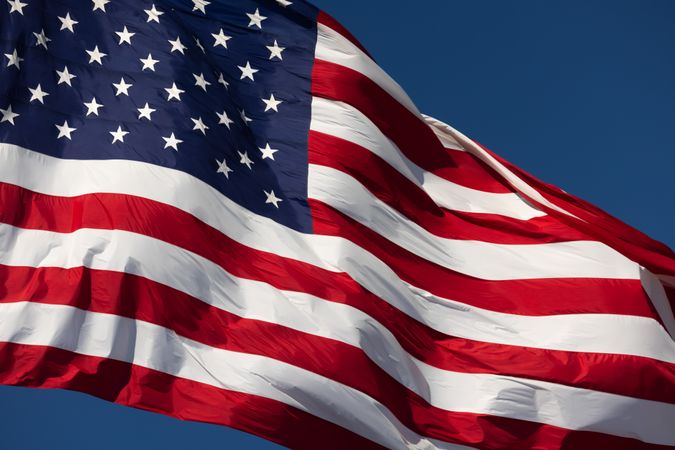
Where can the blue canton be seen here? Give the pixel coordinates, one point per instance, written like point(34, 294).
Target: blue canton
point(219, 89)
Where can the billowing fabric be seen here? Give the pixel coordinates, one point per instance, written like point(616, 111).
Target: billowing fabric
point(226, 211)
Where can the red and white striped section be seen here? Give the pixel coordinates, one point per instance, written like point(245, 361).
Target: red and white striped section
point(443, 301)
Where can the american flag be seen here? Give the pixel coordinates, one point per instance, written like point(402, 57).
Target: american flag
point(227, 212)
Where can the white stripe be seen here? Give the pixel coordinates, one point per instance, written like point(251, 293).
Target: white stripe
point(516, 182)
point(480, 394)
point(111, 249)
point(344, 121)
point(446, 138)
point(157, 348)
point(198, 277)
point(332, 47)
point(585, 333)
point(574, 259)
point(658, 298)
point(657, 294)
point(154, 347)
point(563, 406)
point(41, 173)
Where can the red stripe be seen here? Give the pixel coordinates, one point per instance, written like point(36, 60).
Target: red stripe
point(524, 297)
point(637, 246)
point(412, 136)
point(471, 172)
point(138, 298)
point(590, 212)
point(138, 387)
point(26, 209)
point(98, 210)
point(388, 185)
point(133, 296)
point(141, 299)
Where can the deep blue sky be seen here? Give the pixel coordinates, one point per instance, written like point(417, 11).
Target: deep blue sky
point(581, 94)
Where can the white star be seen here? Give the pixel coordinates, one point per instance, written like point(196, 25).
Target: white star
point(247, 71)
point(122, 87)
point(221, 80)
point(100, 4)
point(42, 39)
point(125, 36)
point(272, 103)
point(200, 5)
point(221, 38)
point(67, 23)
point(199, 125)
point(224, 119)
point(272, 198)
point(245, 160)
point(38, 94)
point(275, 50)
point(65, 76)
point(172, 142)
point(267, 152)
point(149, 63)
point(153, 14)
point(256, 19)
point(8, 115)
point(284, 3)
point(14, 59)
point(95, 55)
point(177, 46)
point(65, 130)
point(145, 111)
point(93, 106)
point(17, 6)
point(118, 136)
point(174, 92)
point(223, 168)
point(199, 44)
point(201, 81)
point(245, 119)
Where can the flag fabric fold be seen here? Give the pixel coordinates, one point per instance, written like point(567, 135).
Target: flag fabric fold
point(226, 211)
